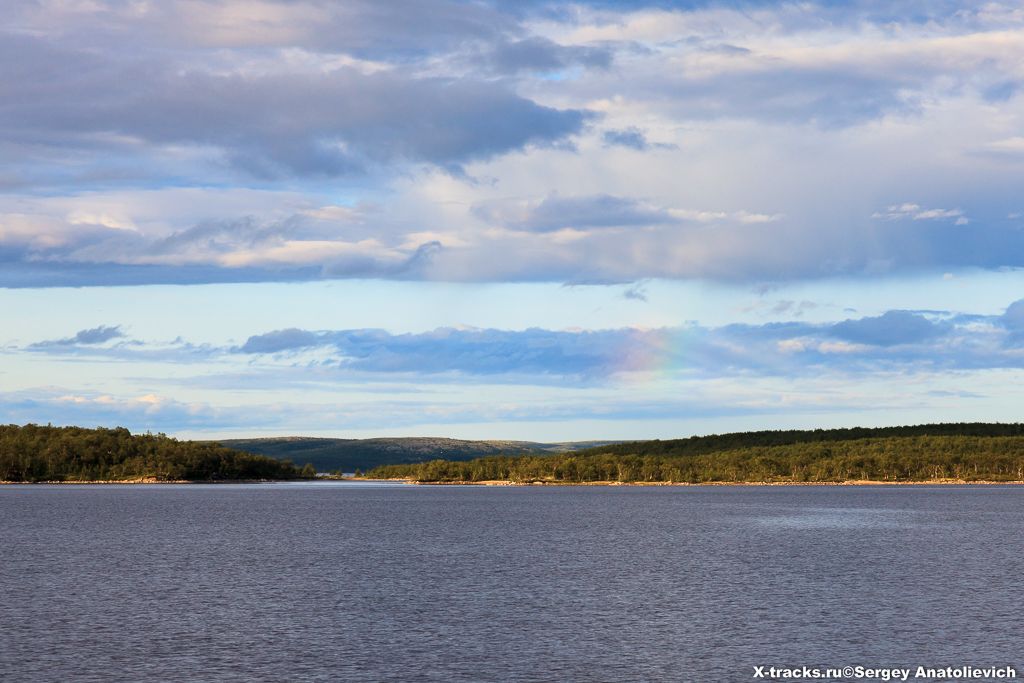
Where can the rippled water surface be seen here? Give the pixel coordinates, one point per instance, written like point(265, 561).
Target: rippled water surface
point(340, 582)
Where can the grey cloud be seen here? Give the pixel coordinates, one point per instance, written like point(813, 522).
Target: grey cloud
point(633, 138)
point(889, 329)
point(57, 273)
point(1002, 91)
point(380, 30)
point(202, 241)
point(536, 54)
point(920, 11)
point(727, 250)
point(388, 31)
point(1013, 321)
point(893, 341)
point(445, 350)
point(98, 255)
point(324, 124)
point(119, 96)
point(896, 340)
point(829, 98)
point(795, 308)
point(774, 88)
point(220, 236)
point(421, 258)
point(635, 293)
point(95, 335)
point(658, 245)
point(364, 28)
point(582, 213)
point(1013, 318)
point(290, 339)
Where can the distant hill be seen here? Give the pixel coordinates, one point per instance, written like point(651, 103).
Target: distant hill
point(348, 455)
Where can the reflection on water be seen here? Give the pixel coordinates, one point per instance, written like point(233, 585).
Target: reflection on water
point(837, 518)
point(344, 483)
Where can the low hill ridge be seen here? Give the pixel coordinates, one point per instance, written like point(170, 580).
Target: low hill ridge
point(349, 455)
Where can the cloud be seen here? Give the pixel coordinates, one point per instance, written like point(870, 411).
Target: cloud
point(827, 65)
point(90, 337)
point(635, 292)
point(794, 308)
point(579, 213)
point(371, 379)
point(1013, 318)
point(541, 55)
point(585, 238)
point(280, 340)
point(386, 414)
point(139, 412)
point(363, 28)
point(470, 351)
point(895, 340)
point(305, 123)
point(889, 329)
point(908, 211)
point(1013, 321)
point(502, 141)
point(633, 138)
point(1008, 146)
point(44, 248)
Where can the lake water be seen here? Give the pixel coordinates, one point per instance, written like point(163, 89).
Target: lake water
point(341, 582)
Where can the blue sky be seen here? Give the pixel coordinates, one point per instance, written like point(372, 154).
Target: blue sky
point(534, 220)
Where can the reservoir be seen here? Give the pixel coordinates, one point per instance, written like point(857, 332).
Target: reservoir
point(327, 581)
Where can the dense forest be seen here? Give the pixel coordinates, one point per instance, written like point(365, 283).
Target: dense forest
point(967, 451)
point(697, 445)
point(36, 453)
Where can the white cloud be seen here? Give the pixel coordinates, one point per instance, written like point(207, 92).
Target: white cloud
point(914, 212)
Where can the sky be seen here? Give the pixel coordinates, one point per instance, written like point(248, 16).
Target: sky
point(529, 220)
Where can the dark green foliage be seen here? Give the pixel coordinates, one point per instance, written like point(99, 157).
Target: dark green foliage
point(714, 443)
point(36, 453)
point(890, 458)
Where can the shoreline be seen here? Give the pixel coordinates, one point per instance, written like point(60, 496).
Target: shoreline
point(142, 481)
point(854, 482)
point(147, 480)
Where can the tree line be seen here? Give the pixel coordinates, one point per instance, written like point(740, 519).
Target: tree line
point(33, 453)
point(696, 445)
point(891, 458)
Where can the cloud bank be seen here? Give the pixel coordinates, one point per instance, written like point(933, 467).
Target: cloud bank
point(897, 341)
point(513, 142)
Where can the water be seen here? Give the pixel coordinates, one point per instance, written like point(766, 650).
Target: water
point(341, 582)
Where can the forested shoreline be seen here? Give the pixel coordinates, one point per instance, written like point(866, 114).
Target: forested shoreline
point(35, 453)
point(967, 452)
point(893, 458)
